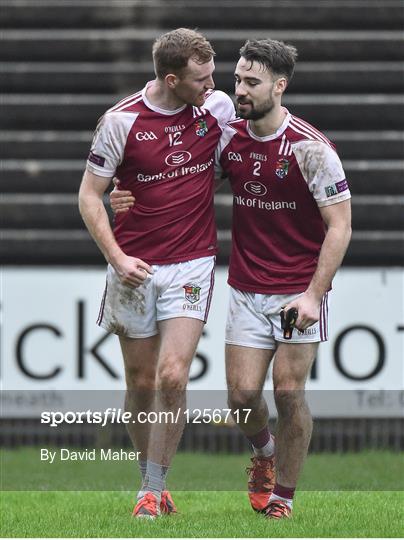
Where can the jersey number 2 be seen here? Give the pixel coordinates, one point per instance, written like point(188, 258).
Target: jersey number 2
point(257, 167)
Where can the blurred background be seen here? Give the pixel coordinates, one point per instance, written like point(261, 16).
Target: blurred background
point(64, 62)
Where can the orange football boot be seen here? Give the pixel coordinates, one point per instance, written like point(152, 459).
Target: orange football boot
point(167, 505)
point(147, 507)
point(261, 481)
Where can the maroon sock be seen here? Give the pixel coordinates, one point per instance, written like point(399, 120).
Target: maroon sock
point(284, 492)
point(260, 439)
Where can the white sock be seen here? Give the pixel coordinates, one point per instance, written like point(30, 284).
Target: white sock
point(143, 468)
point(141, 493)
point(266, 451)
point(274, 497)
point(154, 480)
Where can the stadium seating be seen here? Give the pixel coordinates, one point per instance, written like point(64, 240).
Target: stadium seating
point(64, 62)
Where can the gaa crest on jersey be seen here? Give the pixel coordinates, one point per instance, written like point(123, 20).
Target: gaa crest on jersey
point(282, 168)
point(192, 293)
point(201, 128)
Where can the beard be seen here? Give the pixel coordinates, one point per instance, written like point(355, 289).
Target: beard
point(255, 113)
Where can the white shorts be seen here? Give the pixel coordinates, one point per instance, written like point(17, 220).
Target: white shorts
point(174, 290)
point(253, 320)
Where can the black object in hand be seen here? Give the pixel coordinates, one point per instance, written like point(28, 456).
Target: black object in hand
point(288, 321)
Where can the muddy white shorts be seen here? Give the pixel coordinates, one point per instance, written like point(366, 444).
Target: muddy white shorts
point(174, 290)
point(253, 320)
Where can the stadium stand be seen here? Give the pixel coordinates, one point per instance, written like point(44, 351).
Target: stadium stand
point(64, 62)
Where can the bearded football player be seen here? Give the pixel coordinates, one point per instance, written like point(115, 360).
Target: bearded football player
point(291, 228)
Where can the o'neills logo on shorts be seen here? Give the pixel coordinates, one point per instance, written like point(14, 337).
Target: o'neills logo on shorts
point(307, 332)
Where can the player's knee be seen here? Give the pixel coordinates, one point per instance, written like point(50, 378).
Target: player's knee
point(140, 379)
point(288, 399)
point(288, 384)
point(243, 399)
point(171, 377)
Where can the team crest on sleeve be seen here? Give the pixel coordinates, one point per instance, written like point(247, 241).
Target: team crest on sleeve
point(201, 128)
point(282, 168)
point(192, 293)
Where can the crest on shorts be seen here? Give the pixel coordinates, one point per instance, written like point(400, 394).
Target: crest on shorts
point(282, 168)
point(191, 293)
point(201, 128)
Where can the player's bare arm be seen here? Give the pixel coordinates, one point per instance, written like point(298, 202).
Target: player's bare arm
point(131, 271)
point(337, 218)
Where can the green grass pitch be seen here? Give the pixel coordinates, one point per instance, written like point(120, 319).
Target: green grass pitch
point(362, 496)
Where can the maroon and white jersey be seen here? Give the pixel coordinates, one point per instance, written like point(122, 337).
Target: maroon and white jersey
point(278, 183)
point(166, 159)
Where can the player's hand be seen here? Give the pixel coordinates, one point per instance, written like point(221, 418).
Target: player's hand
point(132, 271)
point(119, 199)
point(308, 308)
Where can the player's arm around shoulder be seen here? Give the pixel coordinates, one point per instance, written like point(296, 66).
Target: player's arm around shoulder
point(120, 200)
point(221, 173)
point(221, 106)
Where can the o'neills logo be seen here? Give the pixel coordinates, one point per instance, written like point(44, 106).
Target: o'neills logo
point(178, 158)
